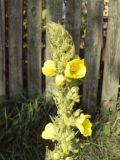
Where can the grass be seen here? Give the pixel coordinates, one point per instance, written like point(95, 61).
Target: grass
point(21, 124)
point(105, 142)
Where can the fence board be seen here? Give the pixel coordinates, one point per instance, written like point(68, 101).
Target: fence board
point(92, 53)
point(34, 47)
point(15, 47)
point(2, 48)
point(54, 10)
point(112, 54)
point(54, 13)
point(73, 21)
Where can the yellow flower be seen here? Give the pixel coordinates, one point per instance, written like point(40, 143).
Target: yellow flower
point(49, 132)
point(75, 69)
point(49, 68)
point(84, 125)
point(60, 80)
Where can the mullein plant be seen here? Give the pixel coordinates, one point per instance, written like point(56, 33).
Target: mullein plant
point(68, 72)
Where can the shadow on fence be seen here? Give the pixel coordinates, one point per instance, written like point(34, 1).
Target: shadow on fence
point(22, 53)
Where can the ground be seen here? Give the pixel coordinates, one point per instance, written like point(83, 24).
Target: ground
point(21, 124)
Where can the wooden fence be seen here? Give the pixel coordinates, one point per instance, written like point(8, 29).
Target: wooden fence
point(20, 64)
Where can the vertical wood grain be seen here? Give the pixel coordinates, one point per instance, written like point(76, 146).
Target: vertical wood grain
point(54, 10)
point(15, 47)
point(34, 47)
point(2, 48)
point(54, 13)
point(73, 21)
point(92, 53)
point(112, 54)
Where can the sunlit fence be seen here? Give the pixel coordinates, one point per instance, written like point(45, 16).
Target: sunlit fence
point(22, 51)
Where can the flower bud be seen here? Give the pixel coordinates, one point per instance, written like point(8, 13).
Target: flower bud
point(56, 156)
point(49, 68)
point(77, 112)
point(60, 80)
point(74, 89)
point(64, 147)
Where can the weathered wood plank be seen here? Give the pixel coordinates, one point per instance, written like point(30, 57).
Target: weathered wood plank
point(112, 54)
point(15, 47)
point(2, 48)
point(54, 10)
point(54, 13)
point(73, 21)
point(92, 53)
point(34, 47)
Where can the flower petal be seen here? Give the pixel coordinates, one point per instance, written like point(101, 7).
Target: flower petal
point(87, 123)
point(50, 128)
point(87, 116)
point(87, 132)
point(47, 135)
point(49, 68)
point(84, 124)
point(75, 69)
point(49, 132)
point(81, 128)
